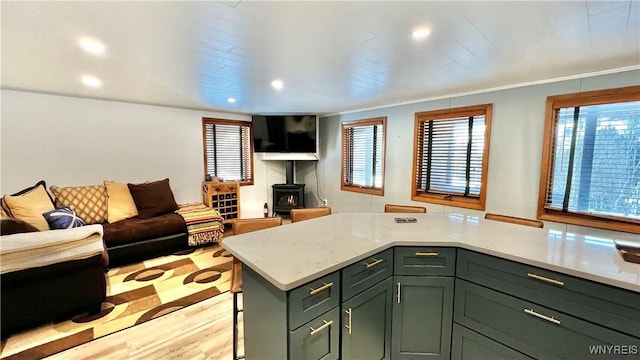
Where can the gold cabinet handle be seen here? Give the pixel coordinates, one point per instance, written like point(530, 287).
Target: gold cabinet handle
point(398, 295)
point(348, 326)
point(324, 287)
point(545, 279)
point(541, 316)
point(374, 263)
point(426, 254)
point(326, 324)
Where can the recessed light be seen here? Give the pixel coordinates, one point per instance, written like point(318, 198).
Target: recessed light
point(91, 81)
point(92, 46)
point(420, 33)
point(231, 100)
point(277, 84)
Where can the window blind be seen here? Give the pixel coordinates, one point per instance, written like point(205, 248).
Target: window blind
point(450, 156)
point(595, 160)
point(363, 154)
point(228, 152)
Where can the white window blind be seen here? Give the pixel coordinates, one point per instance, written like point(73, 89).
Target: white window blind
point(228, 150)
point(595, 161)
point(363, 154)
point(451, 155)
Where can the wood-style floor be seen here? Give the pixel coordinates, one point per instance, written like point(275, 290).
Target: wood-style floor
point(200, 331)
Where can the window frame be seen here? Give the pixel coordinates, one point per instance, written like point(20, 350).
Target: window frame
point(216, 121)
point(553, 105)
point(476, 203)
point(345, 125)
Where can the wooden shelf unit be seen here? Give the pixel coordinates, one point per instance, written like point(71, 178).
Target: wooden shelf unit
point(224, 197)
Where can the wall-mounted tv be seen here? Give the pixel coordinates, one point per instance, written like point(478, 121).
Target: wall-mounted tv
point(286, 137)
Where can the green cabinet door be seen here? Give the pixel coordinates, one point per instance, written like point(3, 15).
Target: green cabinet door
point(469, 345)
point(366, 323)
point(318, 339)
point(422, 317)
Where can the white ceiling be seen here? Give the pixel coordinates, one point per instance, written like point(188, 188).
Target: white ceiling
point(331, 56)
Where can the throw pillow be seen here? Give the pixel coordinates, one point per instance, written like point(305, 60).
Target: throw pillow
point(63, 218)
point(89, 202)
point(15, 226)
point(29, 204)
point(120, 204)
point(153, 198)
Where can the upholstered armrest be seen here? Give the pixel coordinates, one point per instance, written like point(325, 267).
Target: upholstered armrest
point(36, 249)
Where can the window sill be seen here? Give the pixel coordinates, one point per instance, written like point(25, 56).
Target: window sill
point(457, 201)
point(593, 222)
point(378, 192)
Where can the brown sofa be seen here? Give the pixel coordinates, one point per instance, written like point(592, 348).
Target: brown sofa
point(139, 220)
point(137, 239)
point(135, 222)
point(49, 275)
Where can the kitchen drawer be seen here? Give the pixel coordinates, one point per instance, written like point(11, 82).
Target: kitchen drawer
point(424, 261)
point(309, 301)
point(604, 305)
point(469, 345)
point(366, 273)
point(317, 339)
point(532, 329)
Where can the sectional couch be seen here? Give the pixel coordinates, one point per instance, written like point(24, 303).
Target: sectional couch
point(139, 220)
point(132, 221)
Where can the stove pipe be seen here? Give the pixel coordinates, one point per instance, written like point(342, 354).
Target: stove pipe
point(290, 169)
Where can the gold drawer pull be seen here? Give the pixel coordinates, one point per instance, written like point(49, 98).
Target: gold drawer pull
point(546, 279)
point(326, 323)
point(374, 263)
point(544, 317)
point(426, 254)
point(348, 312)
point(313, 291)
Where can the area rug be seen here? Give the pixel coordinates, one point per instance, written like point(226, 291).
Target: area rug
point(135, 293)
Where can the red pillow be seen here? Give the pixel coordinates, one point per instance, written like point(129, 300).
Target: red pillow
point(153, 198)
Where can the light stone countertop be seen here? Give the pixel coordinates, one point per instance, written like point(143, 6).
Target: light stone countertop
point(291, 255)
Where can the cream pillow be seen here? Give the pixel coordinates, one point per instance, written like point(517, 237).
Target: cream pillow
point(30, 206)
point(120, 204)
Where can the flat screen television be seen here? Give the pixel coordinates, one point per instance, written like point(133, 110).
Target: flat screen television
point(285, 137)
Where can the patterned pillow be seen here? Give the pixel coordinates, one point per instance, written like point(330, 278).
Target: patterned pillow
point(63, 218)
point(89, 202)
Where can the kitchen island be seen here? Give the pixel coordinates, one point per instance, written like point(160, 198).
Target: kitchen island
point(303, 288)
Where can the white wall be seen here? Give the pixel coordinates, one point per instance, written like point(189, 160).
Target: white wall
point(515, 151)
point(69, 141)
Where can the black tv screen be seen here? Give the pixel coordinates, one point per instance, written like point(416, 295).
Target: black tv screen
point(285, 134)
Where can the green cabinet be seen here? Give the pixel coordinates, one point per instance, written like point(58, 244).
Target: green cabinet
point(423, 302)
point(422, 317)
point(400, 304)
point(318, 339)
point(536, 330)
point(366, 319)
point(303, 323)
point(469, 345)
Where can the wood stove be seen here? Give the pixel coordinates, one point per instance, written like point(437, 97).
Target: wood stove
point(287, 196)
